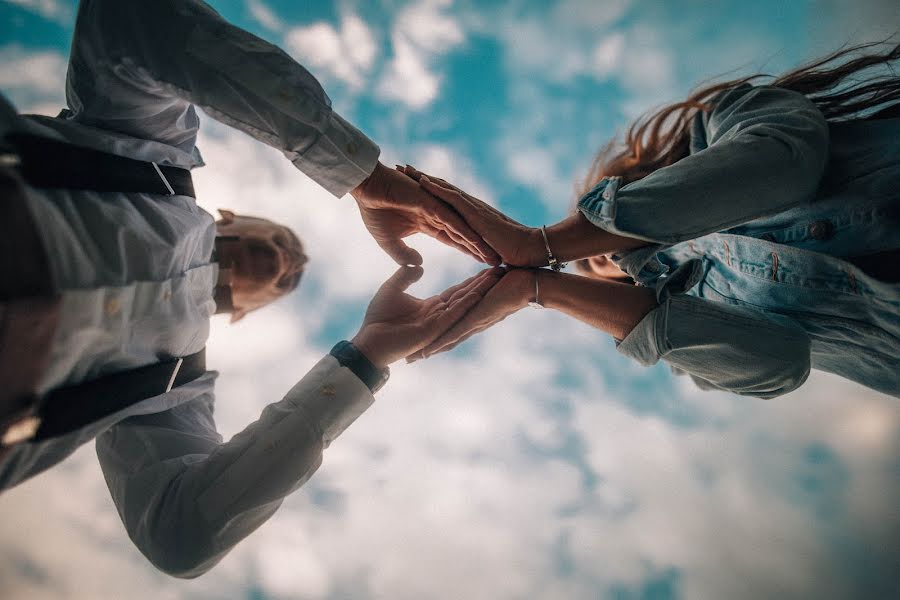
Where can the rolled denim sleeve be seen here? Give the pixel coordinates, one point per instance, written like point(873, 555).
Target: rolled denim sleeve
point(760, 151)
point(732, 348)
point(186, 498)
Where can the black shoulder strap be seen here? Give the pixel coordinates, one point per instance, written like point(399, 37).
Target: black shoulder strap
point(47, 163)
point(67, 409)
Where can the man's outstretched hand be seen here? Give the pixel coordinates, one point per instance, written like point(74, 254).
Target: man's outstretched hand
point(397, 324)
point(394, 206)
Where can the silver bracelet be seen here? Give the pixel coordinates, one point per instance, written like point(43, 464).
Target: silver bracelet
point(536, 303)
point(551, 260)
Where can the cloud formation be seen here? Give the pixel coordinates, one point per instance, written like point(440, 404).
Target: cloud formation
point(346, 53)
point(421, 34)
point(53, 10)
point(534, 461)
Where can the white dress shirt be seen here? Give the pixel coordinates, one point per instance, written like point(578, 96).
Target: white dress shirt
point(136, 276)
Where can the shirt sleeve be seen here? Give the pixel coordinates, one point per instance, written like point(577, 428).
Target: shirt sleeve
point(186, 498)
point(139, 67)
point(760, 151)
point(726, 347)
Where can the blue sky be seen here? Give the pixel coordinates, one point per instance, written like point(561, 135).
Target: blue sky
point(534, 461)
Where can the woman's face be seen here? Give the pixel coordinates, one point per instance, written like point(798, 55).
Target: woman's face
point(602, 267)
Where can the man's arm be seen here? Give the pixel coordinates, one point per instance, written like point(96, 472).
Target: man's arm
point(138, 67)
point(186, 498)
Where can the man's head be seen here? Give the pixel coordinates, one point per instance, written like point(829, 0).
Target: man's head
point(265, 260)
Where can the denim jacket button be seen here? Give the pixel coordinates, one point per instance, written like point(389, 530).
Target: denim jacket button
point(821, 230)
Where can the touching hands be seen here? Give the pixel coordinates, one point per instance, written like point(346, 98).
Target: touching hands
point(514, 289)
point(397, 324)
point(393, 206)
point(517, 245)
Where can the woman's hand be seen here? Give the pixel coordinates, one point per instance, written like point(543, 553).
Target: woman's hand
point(514, 290)
point(393, 207)
point(397, 324)
point(517, 245)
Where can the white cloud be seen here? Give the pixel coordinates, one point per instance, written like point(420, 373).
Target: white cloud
point(491, 471)
point(34, 81)
point(347, 54)
point(54, 10)
point(422, 33)
point(265, 16)
point(608, 54)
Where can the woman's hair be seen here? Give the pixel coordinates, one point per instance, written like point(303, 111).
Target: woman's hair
point(661, 138)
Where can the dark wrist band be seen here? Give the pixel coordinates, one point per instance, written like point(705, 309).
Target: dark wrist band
point(349, 356)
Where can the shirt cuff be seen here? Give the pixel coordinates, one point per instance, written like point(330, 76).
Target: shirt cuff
point(332, 399)
point(647, 339)
point(341, 158)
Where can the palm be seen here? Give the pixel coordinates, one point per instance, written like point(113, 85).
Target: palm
point(397, 324)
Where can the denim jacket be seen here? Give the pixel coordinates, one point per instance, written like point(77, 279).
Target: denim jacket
point(749, 236)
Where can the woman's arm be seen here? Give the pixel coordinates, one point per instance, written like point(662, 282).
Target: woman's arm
point(760, 151)
point(733, 348)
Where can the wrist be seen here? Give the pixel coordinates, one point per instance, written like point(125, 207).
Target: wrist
point(548, 282)
point(370, 350)
point(537, 250)
point(364, 190)
point(352, 358)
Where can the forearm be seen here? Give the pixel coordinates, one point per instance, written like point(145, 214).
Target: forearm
point(615, 308)
point(761, 151)
point(575, 237)
point(186, 498)
point(152, 53)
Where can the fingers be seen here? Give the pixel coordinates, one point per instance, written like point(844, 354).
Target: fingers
point(447, 348)
point(447, 294)
point(455, 223)
point(458, 218)
point(403, 278)
point(401, 253)
point(454, 242)
point(481, 284)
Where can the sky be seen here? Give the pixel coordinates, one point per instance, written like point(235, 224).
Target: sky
point(533, 461)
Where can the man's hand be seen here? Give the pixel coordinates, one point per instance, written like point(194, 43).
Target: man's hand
point(517, 245)
point(397, 324)
point(393, 207)
point(513, 291)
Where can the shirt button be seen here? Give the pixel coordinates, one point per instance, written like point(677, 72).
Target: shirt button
point(112, 307)
point(351, 148)
point(821, 230)
point(167, 295)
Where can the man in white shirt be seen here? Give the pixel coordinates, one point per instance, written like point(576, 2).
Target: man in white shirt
point(134, 273)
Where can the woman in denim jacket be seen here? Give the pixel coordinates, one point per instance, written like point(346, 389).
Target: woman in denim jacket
point(761, 224)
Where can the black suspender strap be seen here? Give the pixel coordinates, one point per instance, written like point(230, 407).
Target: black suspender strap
point(67, 409)
point(47, 163)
